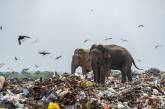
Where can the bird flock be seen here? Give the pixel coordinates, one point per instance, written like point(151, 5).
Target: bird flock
point(22, 38)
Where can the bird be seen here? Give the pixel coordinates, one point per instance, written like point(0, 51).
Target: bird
point(91, 10)
point(0, 27)
point(124, 40)
point(25, 69)
point(20, 38)
point(86, 40)
point(16, 58)
point(36, 66)
point(108, 38)
point(157, 46)
point(58, 57)
point(139, 60)
point(44, 53)
point(140, 26)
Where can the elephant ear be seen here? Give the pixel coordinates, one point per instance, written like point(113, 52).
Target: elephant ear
point(101, 47)
point(76, 51)
point(93, 46)
point(81, 51)
point(105, 52)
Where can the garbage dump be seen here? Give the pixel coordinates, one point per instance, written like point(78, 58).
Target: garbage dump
point(73, 91)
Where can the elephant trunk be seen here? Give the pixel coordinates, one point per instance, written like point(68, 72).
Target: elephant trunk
point(74, 65)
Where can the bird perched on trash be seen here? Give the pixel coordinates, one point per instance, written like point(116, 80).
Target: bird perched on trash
point(58, 57)
point(21, 38)
point(108, 38)
point(157, 46)
point(44, 53)
point(16, 58)
point(140, 26)
point(124, 40)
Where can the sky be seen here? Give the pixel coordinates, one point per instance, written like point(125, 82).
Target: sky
point(61, 26)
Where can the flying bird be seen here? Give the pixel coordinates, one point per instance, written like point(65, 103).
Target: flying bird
point(25, 69)
point(124, 40)
point(139, 60)
point(86, 40)
point(157, 46)
point(16, 58)
point(92, 10)
point(44, 53)
point(108, 38)
point(58, 57)
point(140, 26)
point(21, 38)
point(36, 66)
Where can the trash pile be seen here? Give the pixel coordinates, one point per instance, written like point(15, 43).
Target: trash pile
point(73, 91)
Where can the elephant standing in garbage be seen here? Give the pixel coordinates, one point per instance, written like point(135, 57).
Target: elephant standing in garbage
point(81, 58)
point(107, 57)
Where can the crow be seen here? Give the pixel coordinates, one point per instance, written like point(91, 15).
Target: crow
point(16, 58)
point(157, 46)
point(140, 26)
point(58, 57)
point(20, 38)
point(124, 40)
point(44, 53)
point(108, 38)
point(86, 40)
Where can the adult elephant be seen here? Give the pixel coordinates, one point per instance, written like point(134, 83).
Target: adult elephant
point(81, 58)
point(107, 57)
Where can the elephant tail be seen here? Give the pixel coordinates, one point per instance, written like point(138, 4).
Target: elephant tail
point(135, 64)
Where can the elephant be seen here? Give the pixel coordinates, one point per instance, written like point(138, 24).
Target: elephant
point(107, 57)
point(81, 58)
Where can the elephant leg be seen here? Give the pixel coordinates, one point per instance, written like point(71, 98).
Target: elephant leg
point(129, 75)
point(103, 73)
point(123, 77)
point(102, 79)
point(84, 72)
point(125, 70)
point(95, 72)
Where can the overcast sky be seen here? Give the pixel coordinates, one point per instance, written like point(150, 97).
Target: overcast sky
point(61, 26)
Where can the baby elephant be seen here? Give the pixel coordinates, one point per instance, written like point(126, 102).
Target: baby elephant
point(81, 58)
